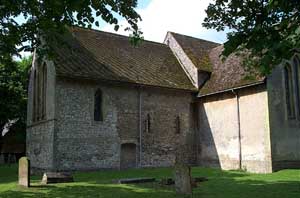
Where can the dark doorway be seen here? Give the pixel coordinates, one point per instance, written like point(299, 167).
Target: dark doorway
point(128, 156)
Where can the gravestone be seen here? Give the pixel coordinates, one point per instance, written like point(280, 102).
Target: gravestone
point(24, 172)
point(182, 177)
point(182, 173)
point(57, 177)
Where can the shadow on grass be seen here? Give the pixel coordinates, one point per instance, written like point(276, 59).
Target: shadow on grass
point(231, 188)
point(220, 184)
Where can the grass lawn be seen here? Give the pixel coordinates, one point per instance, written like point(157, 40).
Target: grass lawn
point(221, 184)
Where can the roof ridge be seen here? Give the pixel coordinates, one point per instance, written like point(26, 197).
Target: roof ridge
point(194, 37)
point(118, 35)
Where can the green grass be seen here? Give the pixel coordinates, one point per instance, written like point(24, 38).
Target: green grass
point(220, 184)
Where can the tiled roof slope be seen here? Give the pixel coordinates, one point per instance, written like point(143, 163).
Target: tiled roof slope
point(101, 55)
point(196, 49)
point(206, 56)
point(227, 74)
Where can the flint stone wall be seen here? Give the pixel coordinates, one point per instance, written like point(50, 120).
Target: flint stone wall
point(84, 144)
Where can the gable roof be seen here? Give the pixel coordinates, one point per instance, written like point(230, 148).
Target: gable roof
point(196, 49)
point(224, 75)
point(100, 55)
point(227, 74)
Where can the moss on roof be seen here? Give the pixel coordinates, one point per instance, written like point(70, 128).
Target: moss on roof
point(101, 55)
point(227, 74)
point(197, 50)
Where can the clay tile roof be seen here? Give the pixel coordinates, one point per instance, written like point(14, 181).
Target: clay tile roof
point(106, 56)
point(196, 49)
point(206, 56)
point(228, 74)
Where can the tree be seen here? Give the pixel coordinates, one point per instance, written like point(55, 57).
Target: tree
point(268, 29)
point(48, 18)
point(13, 93)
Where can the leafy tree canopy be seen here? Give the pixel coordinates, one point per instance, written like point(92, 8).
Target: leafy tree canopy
point(13, 91)
point(48, 18)
point(13, 95)
point(268, 29)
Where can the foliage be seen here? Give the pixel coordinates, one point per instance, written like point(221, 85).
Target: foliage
point(13, 91)
point(268, 29)
point(47, 19)
point(220, 184)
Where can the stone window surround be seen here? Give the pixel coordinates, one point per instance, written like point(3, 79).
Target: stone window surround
point(292, 66)
point(39, 93)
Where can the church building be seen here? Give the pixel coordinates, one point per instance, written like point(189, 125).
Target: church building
point(103, 103)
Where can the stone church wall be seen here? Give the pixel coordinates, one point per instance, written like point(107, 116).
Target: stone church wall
point(84, 144)
point(171, 124)
point(40, 134)
point(39, 146)
point(234, 132)
point(285, 133)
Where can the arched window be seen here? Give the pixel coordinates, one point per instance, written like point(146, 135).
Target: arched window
point(34, 106)
point(296, 63)
point(289, 91)
point(98, 114)
point(44, 88)
point(39, 93)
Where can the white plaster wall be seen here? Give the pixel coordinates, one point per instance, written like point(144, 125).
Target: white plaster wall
point(255, 133)
point(218, 132)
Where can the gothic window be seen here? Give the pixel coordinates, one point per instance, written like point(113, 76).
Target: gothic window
point(98, 114)
point(177, 123)
point(44, 88)
point(34, 109)
point(296, 63)
point(289, 91)
point(39, 93)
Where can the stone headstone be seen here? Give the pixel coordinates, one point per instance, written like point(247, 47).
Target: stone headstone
point(182, 177)
point(57, 177)
point(182, 172)
point(24, 172)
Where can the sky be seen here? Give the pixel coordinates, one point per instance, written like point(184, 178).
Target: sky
point(181, 16)
point(160, 16)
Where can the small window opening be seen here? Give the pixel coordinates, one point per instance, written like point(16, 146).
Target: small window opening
point(177, 122)
point(98, 114)
point(148, 123)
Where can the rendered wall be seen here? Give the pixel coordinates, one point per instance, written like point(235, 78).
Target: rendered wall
point(218, 124)
point(255, 132)
point(234, 131)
